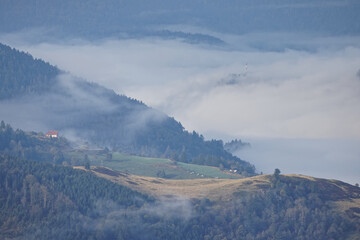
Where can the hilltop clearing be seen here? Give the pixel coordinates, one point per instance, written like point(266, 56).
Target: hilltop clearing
point(227, 189)
point(260, 207)
point(214, 189)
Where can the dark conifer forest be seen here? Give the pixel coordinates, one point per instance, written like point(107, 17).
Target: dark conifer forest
point(22, 74)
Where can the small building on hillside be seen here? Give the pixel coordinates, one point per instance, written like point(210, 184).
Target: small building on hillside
point(52, 134)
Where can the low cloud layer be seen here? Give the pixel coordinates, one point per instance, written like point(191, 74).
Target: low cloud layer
point(259, 86)
point(66, 101)
point(250, 93)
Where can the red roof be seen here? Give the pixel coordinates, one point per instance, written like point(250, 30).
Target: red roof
point(52, 133)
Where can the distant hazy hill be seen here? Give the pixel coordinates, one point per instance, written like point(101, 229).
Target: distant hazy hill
point(110, 17)
point(36, 98)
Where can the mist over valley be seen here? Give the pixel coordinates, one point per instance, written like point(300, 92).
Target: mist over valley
point(179, 120)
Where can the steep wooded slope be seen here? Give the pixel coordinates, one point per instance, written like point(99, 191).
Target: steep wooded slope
point(21, 73)
point(38, 96)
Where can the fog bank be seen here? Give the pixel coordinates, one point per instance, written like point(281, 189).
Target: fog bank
point(259, 86)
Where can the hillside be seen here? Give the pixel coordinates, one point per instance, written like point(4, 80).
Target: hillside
point(32, 145)
point(227, 189)
point(87, 112)
point(288, 206)
point(43, 201)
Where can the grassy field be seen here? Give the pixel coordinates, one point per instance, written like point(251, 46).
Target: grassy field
point(152, 167)
point(344, 197)
point(211, 188)
point(205, 171)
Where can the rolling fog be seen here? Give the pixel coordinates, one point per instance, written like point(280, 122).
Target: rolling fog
point(294, 97)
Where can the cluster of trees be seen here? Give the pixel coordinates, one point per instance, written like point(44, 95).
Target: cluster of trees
point(36, 198)
point(22, 74)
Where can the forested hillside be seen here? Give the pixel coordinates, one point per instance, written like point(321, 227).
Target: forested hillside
point(42, 201)
point(21, 74)
point(36, 95)
point(32, 145)
point(60, 151)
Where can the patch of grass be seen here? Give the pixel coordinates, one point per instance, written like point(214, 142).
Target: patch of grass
point(143, 166)
point(205, 171)
point(117, 156)
point(150, 167)
point(213, 189)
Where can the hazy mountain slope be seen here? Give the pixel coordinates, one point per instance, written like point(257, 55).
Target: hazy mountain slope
point(84, 111)
point(106, 18)
point(59, 151)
